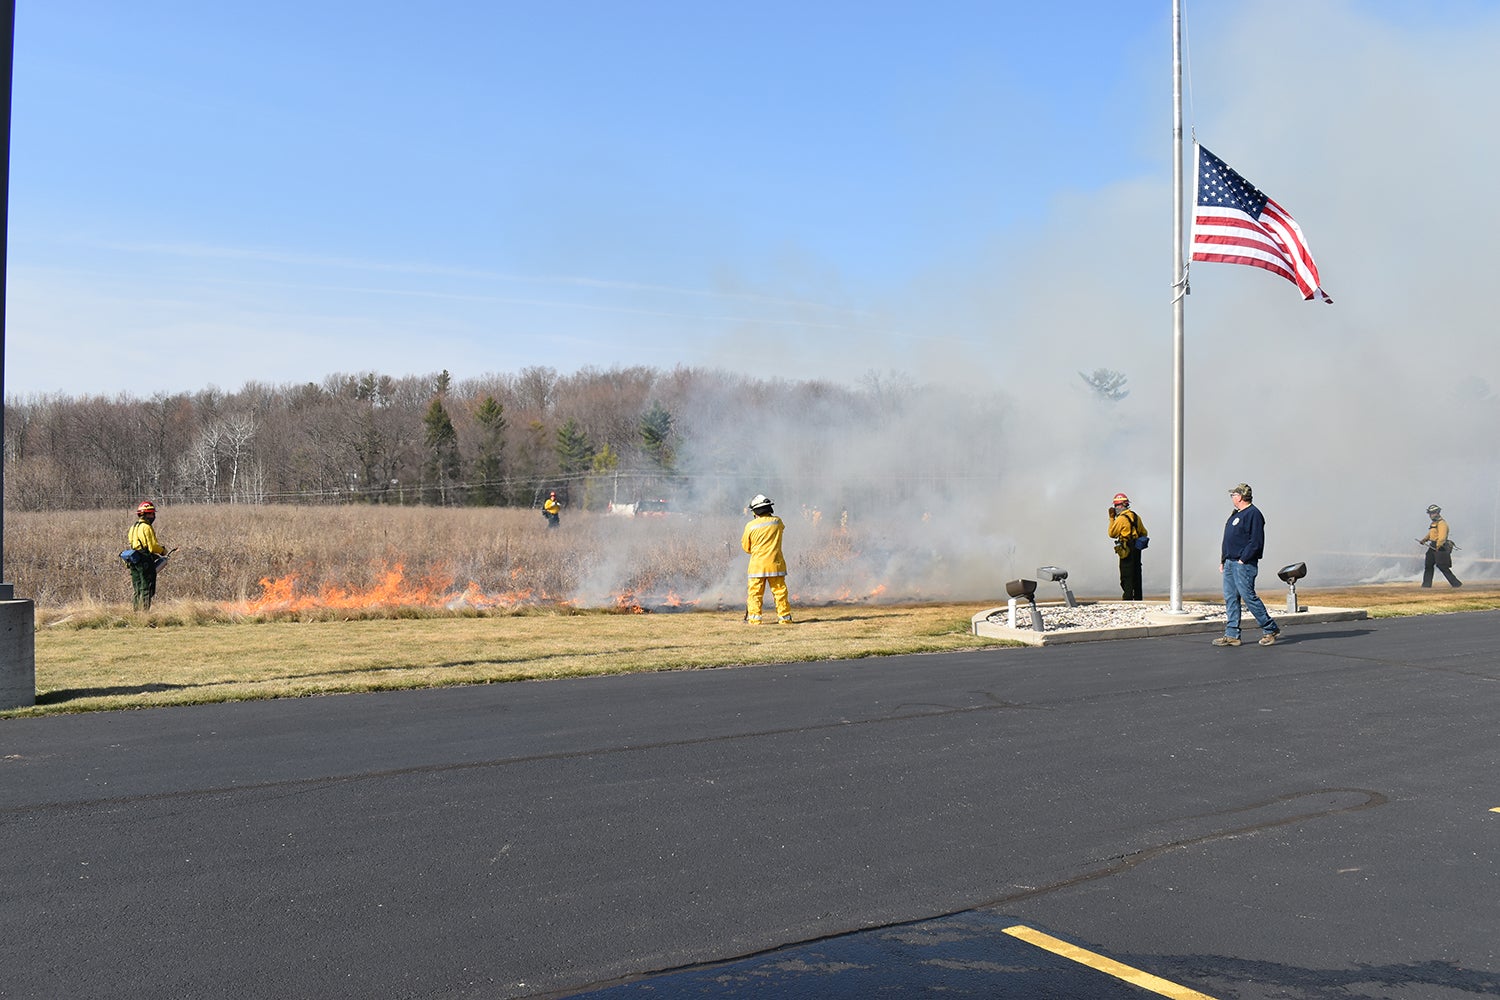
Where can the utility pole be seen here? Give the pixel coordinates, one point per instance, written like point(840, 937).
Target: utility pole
point(17, 618)
point(8, 30)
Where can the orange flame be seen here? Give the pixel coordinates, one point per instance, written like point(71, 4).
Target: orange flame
point(626, 602)
point(843, 595)
point(392, 590)
point(637, 603)
point(439, 590)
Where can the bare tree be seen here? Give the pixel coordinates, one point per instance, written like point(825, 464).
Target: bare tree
point(534, 390)
point(199, 467)
point(238, 433)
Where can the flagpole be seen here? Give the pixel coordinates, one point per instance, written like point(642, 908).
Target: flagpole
point(1179, 293)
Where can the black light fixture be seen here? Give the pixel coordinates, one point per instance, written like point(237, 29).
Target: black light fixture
point(1289, 576)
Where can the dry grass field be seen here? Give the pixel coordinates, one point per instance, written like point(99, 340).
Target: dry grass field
point(236, 556)
point(246, 562)
point(271, 602)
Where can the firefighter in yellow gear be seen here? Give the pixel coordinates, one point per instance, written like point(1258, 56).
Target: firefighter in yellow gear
point(762, 540)
point(149, 554)
point(1127, 529)
point(1439, 549)
point(551, 510)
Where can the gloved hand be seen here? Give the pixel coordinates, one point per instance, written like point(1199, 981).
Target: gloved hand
point(1113, 511)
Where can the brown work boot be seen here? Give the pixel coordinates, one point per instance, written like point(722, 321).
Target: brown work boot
point(1269, 639)
point(1224, 640)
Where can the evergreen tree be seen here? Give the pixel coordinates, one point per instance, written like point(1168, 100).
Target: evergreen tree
point(489, 464)
point(574, 452)
point(605, 460)
point(656, 429)
point(443, 467)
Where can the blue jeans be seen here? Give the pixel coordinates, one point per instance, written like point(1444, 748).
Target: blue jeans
point(1239, 585)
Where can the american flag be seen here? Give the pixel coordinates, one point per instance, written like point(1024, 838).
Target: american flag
point(1235, 223)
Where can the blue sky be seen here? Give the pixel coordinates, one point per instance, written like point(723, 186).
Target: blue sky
point(278, 190)
point(210, 193)
point(969, 194)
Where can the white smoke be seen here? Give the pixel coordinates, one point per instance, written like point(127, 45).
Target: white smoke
point(1348, 420)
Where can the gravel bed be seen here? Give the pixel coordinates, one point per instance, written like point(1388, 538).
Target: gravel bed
point(1058, 618)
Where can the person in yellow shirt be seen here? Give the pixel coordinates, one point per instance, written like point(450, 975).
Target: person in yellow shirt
point(1127, 529)
point(1439, 549)
point(552, 510)
point(149, 554)
point(762, 540)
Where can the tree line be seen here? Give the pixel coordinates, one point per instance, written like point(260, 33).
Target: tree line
point(496, 440)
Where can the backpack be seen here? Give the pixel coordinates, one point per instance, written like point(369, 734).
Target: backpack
point(1137, 539)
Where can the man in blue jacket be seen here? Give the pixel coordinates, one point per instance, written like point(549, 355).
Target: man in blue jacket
point(1239, 559)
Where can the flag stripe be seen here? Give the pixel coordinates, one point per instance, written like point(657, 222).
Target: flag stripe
point(1232, 231)
point(1235, 223)
point(1214, 245)
point(1287, 232)
point(1275, 267)
point(1239, 248)
point(1296, 242)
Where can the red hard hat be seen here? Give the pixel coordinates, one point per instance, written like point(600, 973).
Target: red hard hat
point(146, 507)
point(1119, 499)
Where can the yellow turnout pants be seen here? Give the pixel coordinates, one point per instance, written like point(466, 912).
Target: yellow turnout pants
point(756, 595)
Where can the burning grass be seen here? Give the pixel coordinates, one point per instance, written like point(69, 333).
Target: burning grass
point(249, 563)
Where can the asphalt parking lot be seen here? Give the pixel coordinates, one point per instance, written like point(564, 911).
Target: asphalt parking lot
point(1313, 819)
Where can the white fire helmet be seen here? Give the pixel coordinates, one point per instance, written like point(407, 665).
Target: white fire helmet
point(760, 500)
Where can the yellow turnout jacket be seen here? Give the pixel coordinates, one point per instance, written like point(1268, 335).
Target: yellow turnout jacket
point(762, 539)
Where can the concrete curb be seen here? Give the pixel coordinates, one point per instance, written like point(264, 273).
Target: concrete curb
point(1161, 623)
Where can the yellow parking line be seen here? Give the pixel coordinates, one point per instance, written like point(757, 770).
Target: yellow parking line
point(1136, 977)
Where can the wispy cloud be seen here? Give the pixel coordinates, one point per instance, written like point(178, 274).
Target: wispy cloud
point(201, 251)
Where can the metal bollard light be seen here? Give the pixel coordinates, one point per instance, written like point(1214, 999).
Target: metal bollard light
point(1061, 576)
